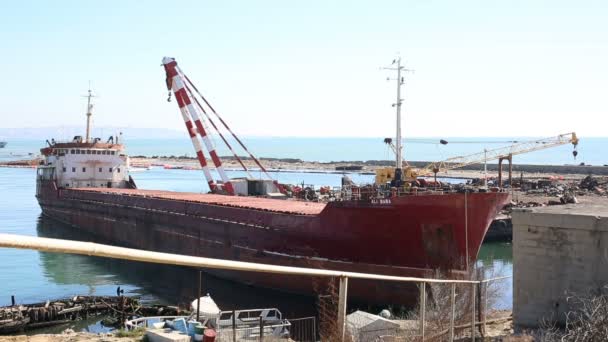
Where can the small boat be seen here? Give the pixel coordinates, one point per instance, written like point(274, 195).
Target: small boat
point(245, 325)
point(2, 144)
point(138, 169)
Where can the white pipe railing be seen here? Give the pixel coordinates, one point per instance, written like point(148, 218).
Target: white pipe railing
point(107, 251)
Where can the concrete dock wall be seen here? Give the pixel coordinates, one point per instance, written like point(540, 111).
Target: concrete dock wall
point(557, 251)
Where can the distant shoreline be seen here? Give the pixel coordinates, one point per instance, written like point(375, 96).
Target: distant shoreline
point(370, 167)
point(291, 165)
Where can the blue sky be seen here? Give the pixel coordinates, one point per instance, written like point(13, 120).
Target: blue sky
point(312, 68)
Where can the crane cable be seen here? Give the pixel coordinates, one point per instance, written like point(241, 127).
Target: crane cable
point(276, 183)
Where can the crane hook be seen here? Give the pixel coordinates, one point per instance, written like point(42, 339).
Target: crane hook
point(169, 98)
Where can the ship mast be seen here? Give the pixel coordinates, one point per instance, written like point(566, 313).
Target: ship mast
point(398, 143)
point(89, 113)
point(399, 161)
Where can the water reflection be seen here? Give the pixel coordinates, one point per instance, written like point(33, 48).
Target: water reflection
point(174, 285)
point(496, 258)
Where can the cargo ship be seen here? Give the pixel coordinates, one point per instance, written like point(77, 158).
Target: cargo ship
point(393, 229)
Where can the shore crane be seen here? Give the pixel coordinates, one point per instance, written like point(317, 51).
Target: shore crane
point(500, 154)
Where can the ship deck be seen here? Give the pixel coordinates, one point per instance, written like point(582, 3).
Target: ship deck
point(256, 203)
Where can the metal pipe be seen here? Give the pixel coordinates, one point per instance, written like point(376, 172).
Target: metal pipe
point(94, 249)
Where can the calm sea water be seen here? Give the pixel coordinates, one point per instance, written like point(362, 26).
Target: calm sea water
point(37, 276)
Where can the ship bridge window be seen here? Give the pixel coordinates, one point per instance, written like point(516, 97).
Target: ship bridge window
point(118, 169)
point(73, 169)
point(64, 169)
point(71, 151)
point(110, 169)
point(103, 152)
point(88, 151)
point(84, 169)
point(100, 169)
point(113, 152)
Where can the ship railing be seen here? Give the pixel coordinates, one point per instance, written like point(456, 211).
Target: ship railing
point(475, 287)
point(358, 193)
point(252, 329)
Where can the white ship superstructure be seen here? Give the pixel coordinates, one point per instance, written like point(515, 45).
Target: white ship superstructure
point(86, 162)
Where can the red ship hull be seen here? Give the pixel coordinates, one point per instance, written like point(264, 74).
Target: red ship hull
point(406, 236)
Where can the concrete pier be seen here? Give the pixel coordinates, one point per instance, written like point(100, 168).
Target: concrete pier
point(557, 250)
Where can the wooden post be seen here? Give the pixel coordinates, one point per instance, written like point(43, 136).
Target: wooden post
point(233, 325)
point(200, 290)
point(485, 306)
point(422, 308)
point(453, 310)
point(261, 328)
point(480, 311)
point(342, 307)
point(473, 286)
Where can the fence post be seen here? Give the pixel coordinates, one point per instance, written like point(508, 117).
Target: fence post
point(342, 307)
point(233, 325)
point(473, 287)
point(261, 328)
point(485, 306)
point(453, 311)
point(422, 308)
point(314, 329)
point(198, 300)
point(479, 308)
